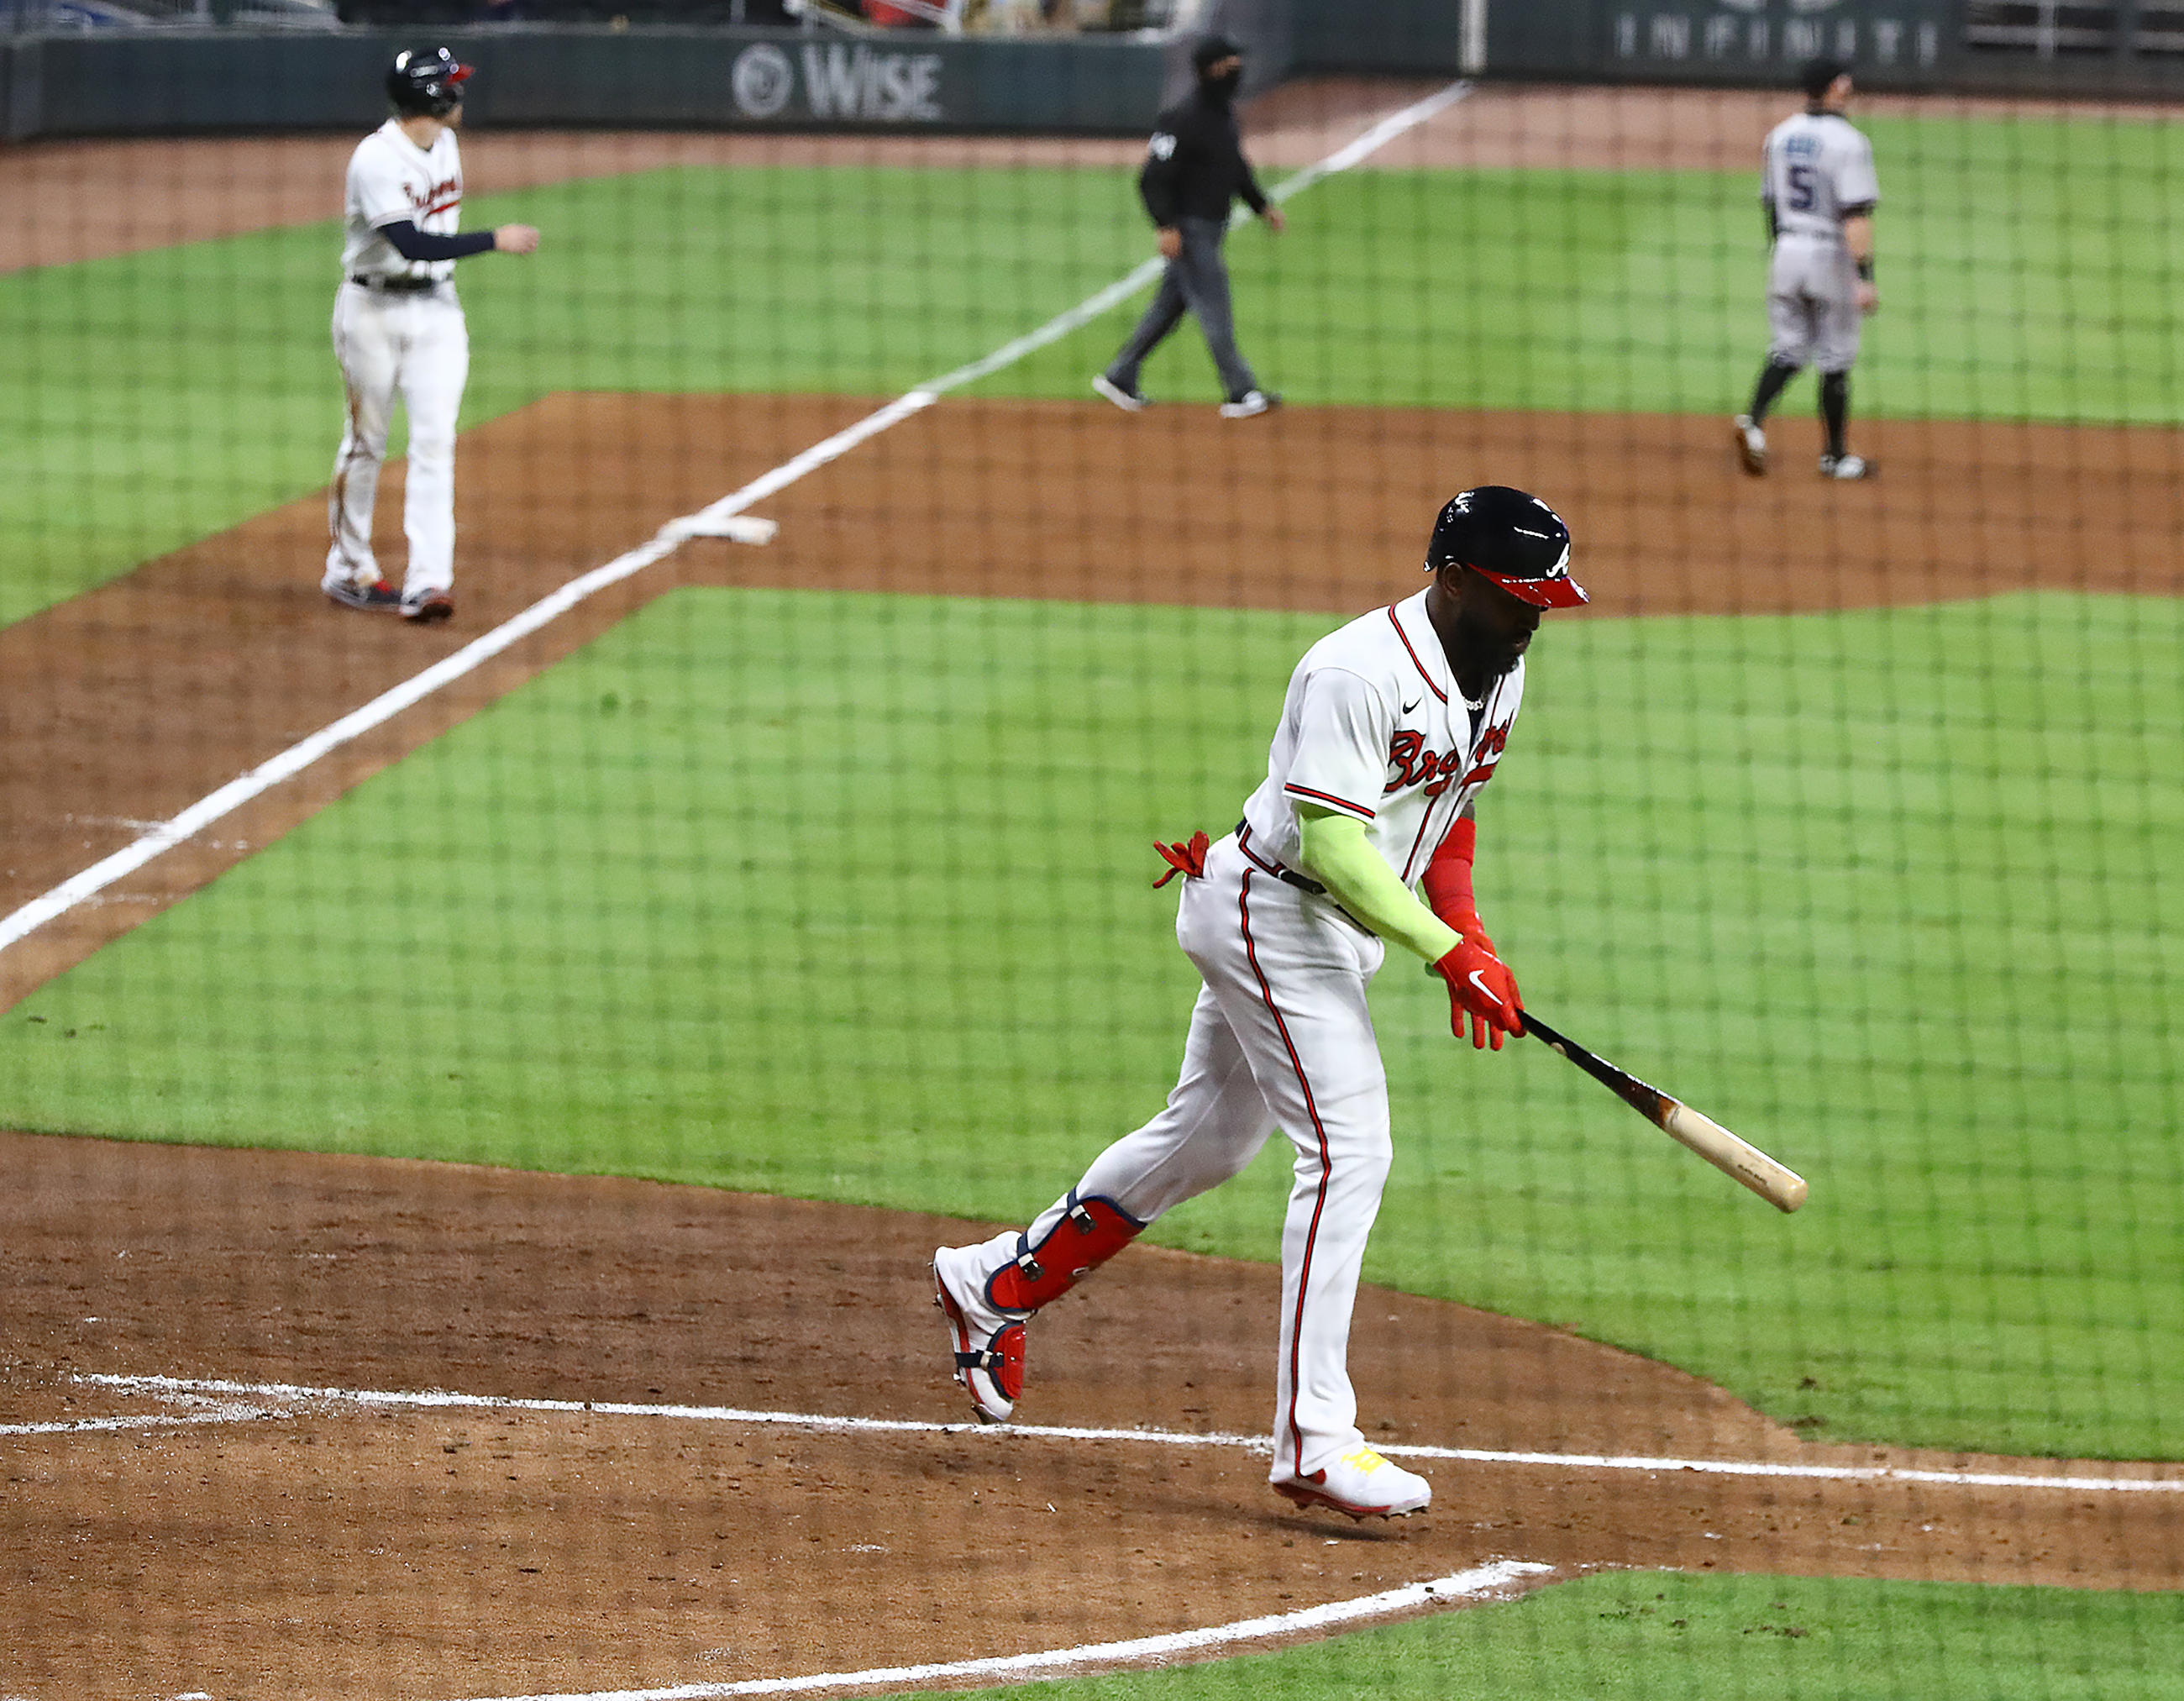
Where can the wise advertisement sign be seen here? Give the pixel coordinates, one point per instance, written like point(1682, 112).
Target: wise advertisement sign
point(1740, 37)
point(837, 82)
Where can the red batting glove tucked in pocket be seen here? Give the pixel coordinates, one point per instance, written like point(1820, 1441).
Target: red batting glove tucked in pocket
point(1188, 860)
point(1480, 985)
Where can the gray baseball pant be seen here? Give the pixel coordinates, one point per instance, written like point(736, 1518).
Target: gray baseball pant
point(1196, 281)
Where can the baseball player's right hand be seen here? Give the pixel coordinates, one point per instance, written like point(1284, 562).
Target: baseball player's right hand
point(1868, 297)
point(1171, 241)
point(515, 239)
point(1480, 987)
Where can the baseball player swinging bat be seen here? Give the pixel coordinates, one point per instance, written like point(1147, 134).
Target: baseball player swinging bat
point(1740, 1160)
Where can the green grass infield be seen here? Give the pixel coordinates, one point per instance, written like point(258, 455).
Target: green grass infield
point(1676, 1636)
point(847, 897)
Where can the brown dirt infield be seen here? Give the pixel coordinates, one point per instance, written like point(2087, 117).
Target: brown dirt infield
point(331, 1550)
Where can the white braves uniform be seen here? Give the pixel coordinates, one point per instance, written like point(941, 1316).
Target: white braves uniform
point(1812, 166)
point(414, 344)
point(1373, 726)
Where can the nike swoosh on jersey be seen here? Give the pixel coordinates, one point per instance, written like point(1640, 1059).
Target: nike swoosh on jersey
point(1410, 707)
point(1485, 989)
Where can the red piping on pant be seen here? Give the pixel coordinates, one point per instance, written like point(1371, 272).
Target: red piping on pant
point(1326, 1168)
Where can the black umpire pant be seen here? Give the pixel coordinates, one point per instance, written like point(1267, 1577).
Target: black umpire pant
point(1196, 281)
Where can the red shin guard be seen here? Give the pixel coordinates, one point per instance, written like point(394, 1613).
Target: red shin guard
point(1091, 1231)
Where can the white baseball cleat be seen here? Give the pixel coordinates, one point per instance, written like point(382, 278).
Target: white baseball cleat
point(1362, 1484)
point(987, 1345)
point(1845, 466)
point(1251, 404)
point(1751, 445)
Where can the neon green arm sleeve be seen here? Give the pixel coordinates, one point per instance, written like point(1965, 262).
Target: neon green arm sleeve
point(1336, 853)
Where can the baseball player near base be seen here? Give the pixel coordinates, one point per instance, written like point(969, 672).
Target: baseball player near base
point(1819, 190)
point(399, 331)
point(1391, 727)
point(1194, 170)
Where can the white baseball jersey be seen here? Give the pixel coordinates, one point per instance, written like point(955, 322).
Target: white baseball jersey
point(1812, 166)
point(1375, 728)
point(392, 178)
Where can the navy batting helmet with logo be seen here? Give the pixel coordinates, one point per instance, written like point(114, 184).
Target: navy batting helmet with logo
point(426, 85)
point(1510, 537)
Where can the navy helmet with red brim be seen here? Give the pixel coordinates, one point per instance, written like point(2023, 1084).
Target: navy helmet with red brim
point(1512, 538)
point(428, 84)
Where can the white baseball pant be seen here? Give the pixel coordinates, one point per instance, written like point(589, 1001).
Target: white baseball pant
point(1280, 1034)
point(1811, 304)
point(416, 346)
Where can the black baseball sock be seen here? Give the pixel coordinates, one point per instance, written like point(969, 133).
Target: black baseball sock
point(1770, 386)
point(1834, 408)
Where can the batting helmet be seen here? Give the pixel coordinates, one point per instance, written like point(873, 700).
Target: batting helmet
point(426, 85)
point(1510, 537)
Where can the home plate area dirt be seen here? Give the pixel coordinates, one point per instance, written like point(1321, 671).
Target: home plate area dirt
point(253, 1542)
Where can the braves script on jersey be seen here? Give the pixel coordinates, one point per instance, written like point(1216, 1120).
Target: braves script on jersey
point(390, 177)
point(1374, 726)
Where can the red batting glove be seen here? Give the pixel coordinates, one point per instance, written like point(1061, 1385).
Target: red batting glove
point(1480, 985)
point(1187, 859)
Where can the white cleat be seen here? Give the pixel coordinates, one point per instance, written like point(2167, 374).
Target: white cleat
point(1751, 445)
point(1361, 1484)
point(987, 1345)
point(1845, 466)
point(1251, 404)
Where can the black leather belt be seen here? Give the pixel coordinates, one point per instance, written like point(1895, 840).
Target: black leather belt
point(395, 286)
point(1303, 883)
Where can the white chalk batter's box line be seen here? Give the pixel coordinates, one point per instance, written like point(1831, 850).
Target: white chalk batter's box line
point(212, 1400)
point(287, 1394)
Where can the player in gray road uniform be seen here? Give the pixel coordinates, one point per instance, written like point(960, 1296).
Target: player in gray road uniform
point(1819, 191)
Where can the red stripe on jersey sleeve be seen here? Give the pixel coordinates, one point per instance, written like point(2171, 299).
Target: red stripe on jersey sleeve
point(1332, 801)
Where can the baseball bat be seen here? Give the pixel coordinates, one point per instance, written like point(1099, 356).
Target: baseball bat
point(1739, 1159)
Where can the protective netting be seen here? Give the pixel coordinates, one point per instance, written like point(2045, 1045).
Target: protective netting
point(806, 866)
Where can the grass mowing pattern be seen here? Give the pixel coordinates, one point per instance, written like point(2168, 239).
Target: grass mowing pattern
point(1672, 1636)
point(2029, 268)
point(845, 896)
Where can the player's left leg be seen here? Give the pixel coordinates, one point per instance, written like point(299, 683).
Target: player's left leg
point(436, 365)
point(1840, 329)
point(1213, 1125)
point(1295, 994)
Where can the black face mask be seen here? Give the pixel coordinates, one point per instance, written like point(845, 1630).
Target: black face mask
point(1224, 87)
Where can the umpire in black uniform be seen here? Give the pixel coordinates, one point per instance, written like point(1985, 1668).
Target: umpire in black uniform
point(1195, 167)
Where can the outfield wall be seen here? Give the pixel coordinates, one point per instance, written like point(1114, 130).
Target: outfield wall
point(176, 81)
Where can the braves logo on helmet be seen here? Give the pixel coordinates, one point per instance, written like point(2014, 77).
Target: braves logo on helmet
point(428, 85)
point(1512, 538)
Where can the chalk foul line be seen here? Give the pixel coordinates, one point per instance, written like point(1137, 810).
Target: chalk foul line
point(200, 814)
point(168, 1387)
point(1459, 1585)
